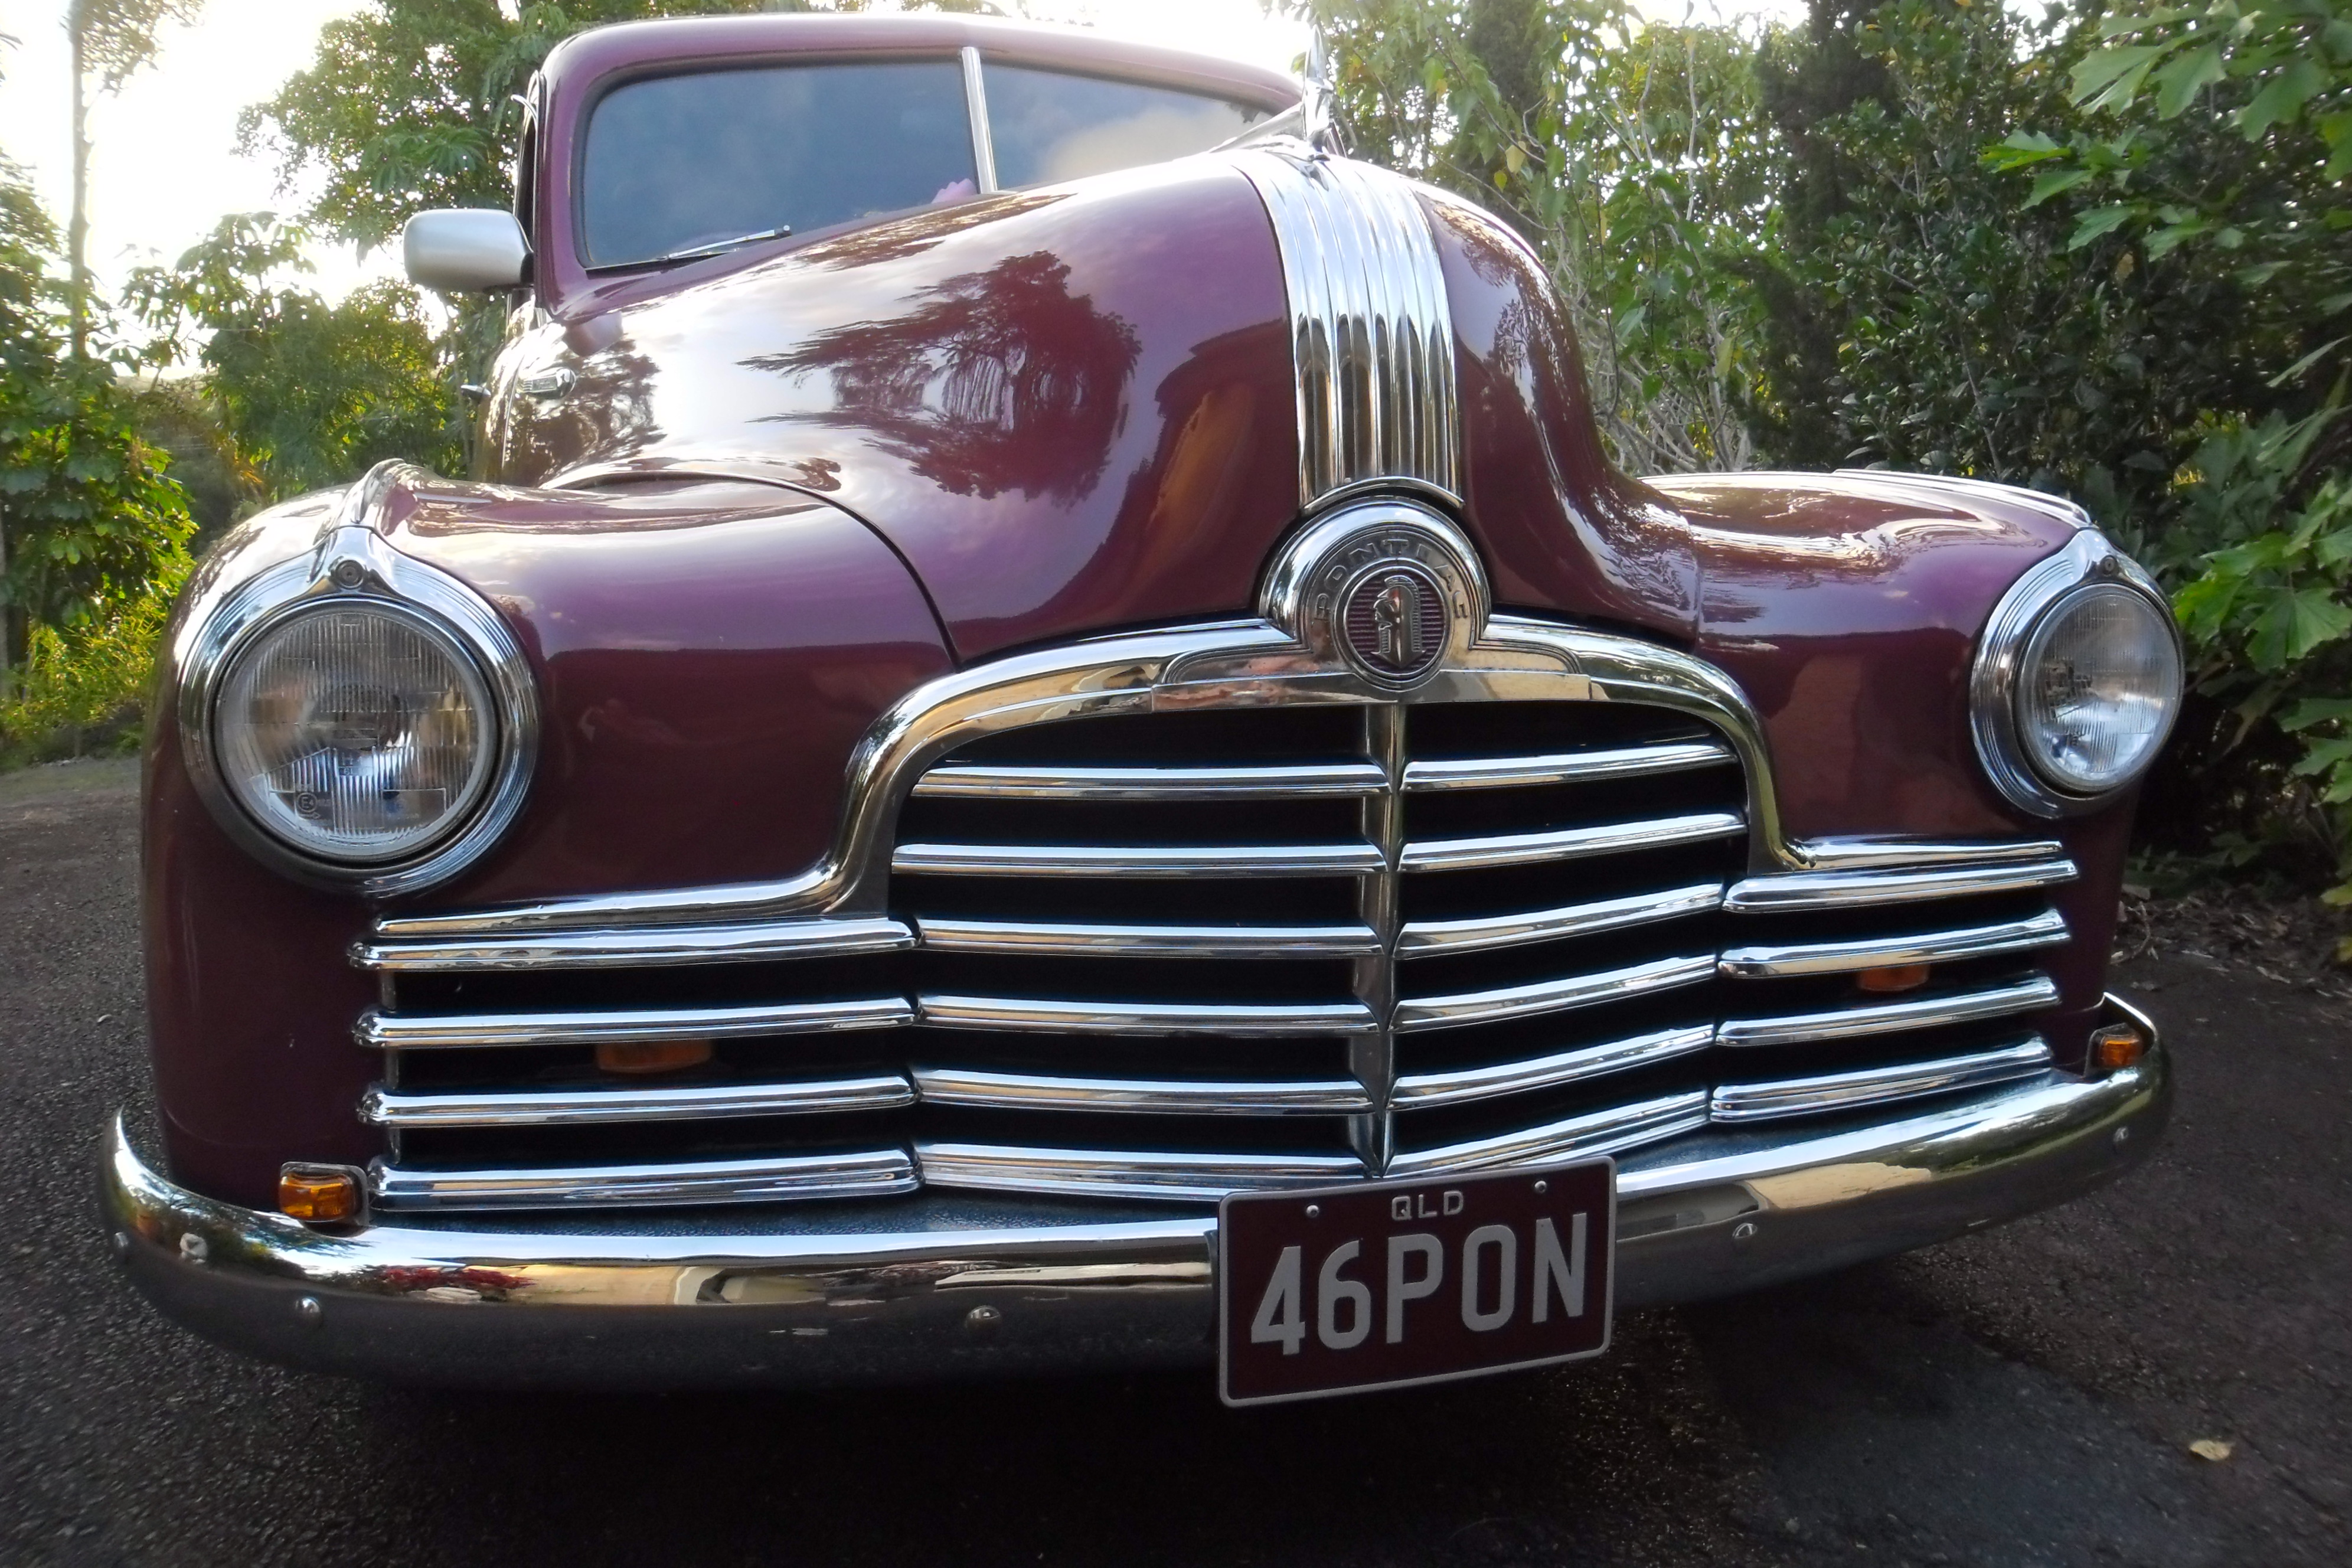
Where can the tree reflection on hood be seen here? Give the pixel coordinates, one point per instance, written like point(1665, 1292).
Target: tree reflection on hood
point(990, 381)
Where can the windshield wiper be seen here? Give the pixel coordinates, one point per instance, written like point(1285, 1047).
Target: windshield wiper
point(719, 246)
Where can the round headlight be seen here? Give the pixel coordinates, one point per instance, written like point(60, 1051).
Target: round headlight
point(2097, 685)
point(2076, 682)
point(356, 733)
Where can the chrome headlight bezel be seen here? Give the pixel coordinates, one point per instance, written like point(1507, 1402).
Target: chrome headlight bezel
point(353, 566)
point(2088, 563)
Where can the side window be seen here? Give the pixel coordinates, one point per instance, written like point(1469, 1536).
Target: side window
point(1050, 125)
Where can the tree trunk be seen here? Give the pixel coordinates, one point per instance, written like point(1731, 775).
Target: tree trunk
point(77, 228)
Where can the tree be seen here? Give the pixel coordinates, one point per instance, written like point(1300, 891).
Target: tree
point(309, 393)
point(88, 522)
point(111, 40)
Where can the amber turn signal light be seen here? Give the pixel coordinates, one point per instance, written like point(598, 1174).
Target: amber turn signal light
point(2116, 1047)
point(318, 1194)
point(1894, 977)
point(655, 1056)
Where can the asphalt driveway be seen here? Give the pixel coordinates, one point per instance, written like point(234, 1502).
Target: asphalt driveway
point(2026, 1395)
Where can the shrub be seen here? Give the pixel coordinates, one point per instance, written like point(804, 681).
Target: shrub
point(81, 689)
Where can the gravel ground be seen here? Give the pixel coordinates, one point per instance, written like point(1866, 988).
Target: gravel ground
point(2027, 1395)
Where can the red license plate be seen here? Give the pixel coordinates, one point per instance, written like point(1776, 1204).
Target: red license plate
point(1387, 1284)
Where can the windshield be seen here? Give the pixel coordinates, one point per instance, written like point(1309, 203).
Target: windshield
point(679, 162)
point(1048, 126)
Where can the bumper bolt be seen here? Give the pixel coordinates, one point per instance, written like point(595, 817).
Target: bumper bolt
point(192, 1246)
point(307, 1308)
point(121, 1244)
point(981, 1320)
point(1744, 1232)
point(2122, 1137)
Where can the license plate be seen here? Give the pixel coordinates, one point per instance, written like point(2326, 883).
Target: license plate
point(1388, 1284)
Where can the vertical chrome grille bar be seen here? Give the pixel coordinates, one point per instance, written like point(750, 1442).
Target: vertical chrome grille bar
point(1372, 1055)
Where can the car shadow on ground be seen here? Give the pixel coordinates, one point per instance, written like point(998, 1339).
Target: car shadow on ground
point(1805, 1425)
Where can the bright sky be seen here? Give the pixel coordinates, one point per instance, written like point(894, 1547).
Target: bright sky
point(165, 166)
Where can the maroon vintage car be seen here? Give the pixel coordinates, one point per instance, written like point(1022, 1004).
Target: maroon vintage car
point(1046, 740)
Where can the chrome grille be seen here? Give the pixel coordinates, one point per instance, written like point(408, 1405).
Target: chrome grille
point(1173, 954)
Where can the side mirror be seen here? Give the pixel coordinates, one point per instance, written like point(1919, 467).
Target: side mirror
point(461, 249)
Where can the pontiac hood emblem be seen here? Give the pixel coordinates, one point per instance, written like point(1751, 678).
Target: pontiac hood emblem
point(1393, 620)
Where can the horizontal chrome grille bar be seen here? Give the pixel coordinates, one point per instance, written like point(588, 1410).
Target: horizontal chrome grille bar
point(1877, 1086)
point(949, 935)
point(2047, 929)
point(1200, 1178)
point(1135, 860)
point(1924, 854)
point(1417, 1091)
point(598, 1107)
point(870, 1173)
point(1234, 783)
point(1600, 1133)
point(657, 947)
point(1422, 939)
point(1552, 995)
point(1846, 889)
point(1566, 767)
point(476, 1030)
point(1050, 1016)
point(1889, 1017)
point(1570, 843)
point(963, 1086)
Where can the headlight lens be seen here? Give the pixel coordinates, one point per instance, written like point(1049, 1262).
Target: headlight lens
point(2097, 688)
point(356, 733)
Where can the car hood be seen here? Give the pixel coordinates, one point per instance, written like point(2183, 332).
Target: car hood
point(1076, 408)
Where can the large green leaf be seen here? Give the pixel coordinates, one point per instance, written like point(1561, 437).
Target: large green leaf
point(2296, 622)
point(2111, 78)
point(2182, 78)
point(2281, 100)
point(2099, 222)
point(2055, 181)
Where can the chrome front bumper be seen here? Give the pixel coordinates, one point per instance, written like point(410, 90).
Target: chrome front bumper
point(1707, 1215)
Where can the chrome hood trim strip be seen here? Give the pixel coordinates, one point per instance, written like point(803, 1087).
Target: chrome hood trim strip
point(1371, 330)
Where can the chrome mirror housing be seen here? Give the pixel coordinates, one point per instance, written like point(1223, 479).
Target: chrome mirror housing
point(458, 249)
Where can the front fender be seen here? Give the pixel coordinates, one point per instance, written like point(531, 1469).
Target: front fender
point(708, 656)
point(1848, 608)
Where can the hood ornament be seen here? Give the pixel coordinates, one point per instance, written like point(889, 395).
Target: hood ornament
point(1319, 108)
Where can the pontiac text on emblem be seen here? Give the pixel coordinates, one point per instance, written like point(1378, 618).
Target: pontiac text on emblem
point(1393, 620)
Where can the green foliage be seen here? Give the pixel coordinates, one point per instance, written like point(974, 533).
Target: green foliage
point(2267, 614)
point(2222, 132)
point(88, 522)
point(80, 688)
point(309, 393)
point(175, 414)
